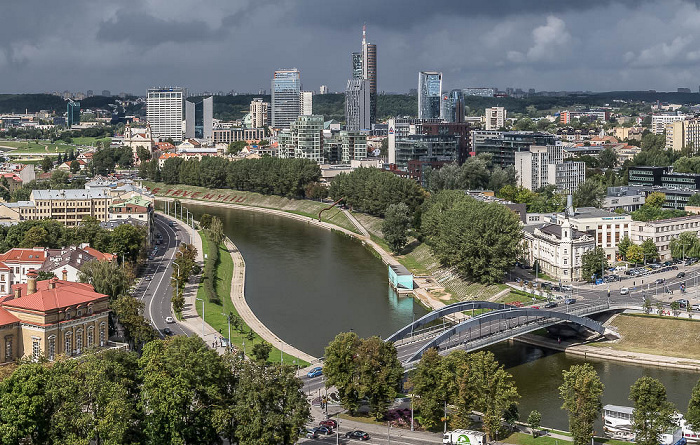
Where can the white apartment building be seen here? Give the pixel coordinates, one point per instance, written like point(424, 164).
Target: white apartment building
point(663, 231)
point(258, 113)
point(164, 111)
point(541, 166)
point(495, 118)
point(558, 249)
point(659, 121)
point(607, 228)
point(306, 99)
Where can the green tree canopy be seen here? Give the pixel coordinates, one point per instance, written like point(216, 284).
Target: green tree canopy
point(594, 262)
point(590, 193)
point(693, 414)
point(622, 247)
point(685, 245)
point(581, 391)
point(653, 413)
point(635, 254)
point(395, 226)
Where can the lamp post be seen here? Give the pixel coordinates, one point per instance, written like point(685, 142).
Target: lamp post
point(202, 300)
point(177, 282)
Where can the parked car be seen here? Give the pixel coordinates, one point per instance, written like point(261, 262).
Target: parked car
point(570, 301)
point(550, 305)
point(311, 434)
point(167, 331)
point(695, 307)
point(169, 320)
point(659, 281)
point(317, 371)
point(624, 291)
point(682, 303)
point(680, 275)
point(357, 434)
point(148, 278)
point(567, 288)
point(324, 430)
point(331, 423)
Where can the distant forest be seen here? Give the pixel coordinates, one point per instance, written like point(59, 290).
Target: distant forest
point(332, 106)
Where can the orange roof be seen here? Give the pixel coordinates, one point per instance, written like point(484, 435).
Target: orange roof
point(99, 256)
point(168, 155)
point(24, 256)
point(7, 318)
point(65, 294)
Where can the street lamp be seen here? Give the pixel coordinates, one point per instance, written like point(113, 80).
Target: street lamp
point(202, 300)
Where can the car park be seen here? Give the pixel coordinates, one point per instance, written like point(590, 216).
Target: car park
point(357, 434)
point(315, 372)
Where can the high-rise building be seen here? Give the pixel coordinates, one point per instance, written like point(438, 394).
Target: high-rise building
point(258, 112)
point(541, 166)
point(495, 118)
point(357, 105)
point(286, 97)
point(303, 139)
point(429, 94)
point(73, 113)
point(369, 72)
point(199, 118)
point(164, 112)
point(307, 103)
point(357, 64)
point(453, 107)
point(323, 89)
point(106, 93)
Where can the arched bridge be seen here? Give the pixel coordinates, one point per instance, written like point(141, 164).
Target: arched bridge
point(500, 323)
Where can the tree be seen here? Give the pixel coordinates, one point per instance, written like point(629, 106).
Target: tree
point(622, 247)
point(43, 275)
point(635, 254)
point(340, 368)
point(594, 262)
point(379, 374)
point(685, 245)
point(581, 392)
point(107, 277)
point(143, 154)
point(492, 390)
point(430, 381)
point(481, 240)
point(183, 388)
point(534, 420)
point(692, 417)
point(35, 237)
point(129, 313)
point(261, 351)
point(216, 231)
point(607, 158)
point(655, 199)
point(395, 226)
point(46, 164)
point(653, 413)
point(649, 250)
point(694, 200)
point(59, 179)
point(205, 220)
point(74, 167)
point(590, 193)
point(236, 146)
point(24, 409)
point(127, 240)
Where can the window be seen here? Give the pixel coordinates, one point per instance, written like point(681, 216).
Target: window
point(8, 348)
point(36, 348)
point(90, 336)
point(68, 349)
point(67, 314)
point(78, 341)
point(102, 334)
point(52, 347)
point(89, 311)
point(79, 313)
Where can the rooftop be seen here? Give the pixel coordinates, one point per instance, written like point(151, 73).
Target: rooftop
point(69, 194)
point(65, 294)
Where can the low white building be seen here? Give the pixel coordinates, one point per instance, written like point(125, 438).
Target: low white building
point(663, 231)
point(557, 249)
point(606, 228)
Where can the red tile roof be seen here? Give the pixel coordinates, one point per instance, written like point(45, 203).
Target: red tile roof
point(7, 318)
point(65, 294)
point(24, 256)
point(99, 256)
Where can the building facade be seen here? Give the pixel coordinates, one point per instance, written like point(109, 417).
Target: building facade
point(495, 118)
point(357, 105)
point(683, 134)
point(72, 113)
point(304, 139)
point(286, 98)
point(606, 228)
point(504, 145)
point(661, 232)
point(353, 146)
point(258, 113)
point(164, 112)
point(199, 119)
point(429, 94)
point(307, 103)
point(659, 121)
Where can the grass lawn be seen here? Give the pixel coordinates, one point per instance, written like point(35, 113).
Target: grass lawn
point(527, 439)
point(214, 314)
point(671, 336)
point(517, 296)
point(304, 207)
point(89, 140)
point(39, 147)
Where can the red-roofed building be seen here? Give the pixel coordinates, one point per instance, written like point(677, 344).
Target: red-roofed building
point(15, 263)
point(50, 318)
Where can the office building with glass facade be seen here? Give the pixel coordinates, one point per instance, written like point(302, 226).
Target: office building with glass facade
point(429, 94)
point(199, 119)
point(73, 113)
point(357, 105)
point(286, 97)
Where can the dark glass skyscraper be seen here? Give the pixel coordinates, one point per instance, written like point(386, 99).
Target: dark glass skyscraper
point(364, 67)
point(199, 118)
point(286, 101)
point(429, 94)
point(73, 113)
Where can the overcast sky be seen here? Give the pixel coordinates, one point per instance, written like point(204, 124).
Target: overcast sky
point(130, 45)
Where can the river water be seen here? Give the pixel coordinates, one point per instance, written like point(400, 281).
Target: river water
point(308, 284)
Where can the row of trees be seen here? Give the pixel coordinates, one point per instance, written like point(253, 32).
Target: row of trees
point(126, 240)
point(371, 190)
point(185, 259)
point(481, 240)
point(477, 172)
point(653, 209)
point(638, 253)
point(269, 176)
point(214, 231)
point(178, 391)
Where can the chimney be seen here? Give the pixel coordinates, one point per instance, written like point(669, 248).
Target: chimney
point(18, 292)
point(31, 281)
point(65, 275)
point(52, 283)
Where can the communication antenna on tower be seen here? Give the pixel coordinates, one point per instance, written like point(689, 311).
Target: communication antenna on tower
point(364, 33)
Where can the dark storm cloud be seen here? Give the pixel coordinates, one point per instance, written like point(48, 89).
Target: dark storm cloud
point(142, 29)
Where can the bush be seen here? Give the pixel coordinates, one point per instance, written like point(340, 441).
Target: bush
point(210, 272)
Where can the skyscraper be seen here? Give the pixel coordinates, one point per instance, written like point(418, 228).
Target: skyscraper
point(307, 103)
point(72, 113)
point(164, 112)
point(453, 107)
point(369, 72)
point(258, 112)
point(429, 94)
point(286, 97)
point(357, 105)
point(199, 118)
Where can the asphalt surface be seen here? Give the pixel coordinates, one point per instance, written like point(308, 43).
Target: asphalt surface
point(157, 292)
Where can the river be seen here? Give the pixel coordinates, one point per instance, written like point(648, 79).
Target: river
point(307, 284)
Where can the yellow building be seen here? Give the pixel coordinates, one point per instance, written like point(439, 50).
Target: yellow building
point(51, 318)
point(66, 206)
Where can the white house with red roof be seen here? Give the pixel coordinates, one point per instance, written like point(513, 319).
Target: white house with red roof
point(15, 263)
point(51, 318)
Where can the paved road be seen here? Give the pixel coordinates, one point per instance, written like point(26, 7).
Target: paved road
point(156, 293)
